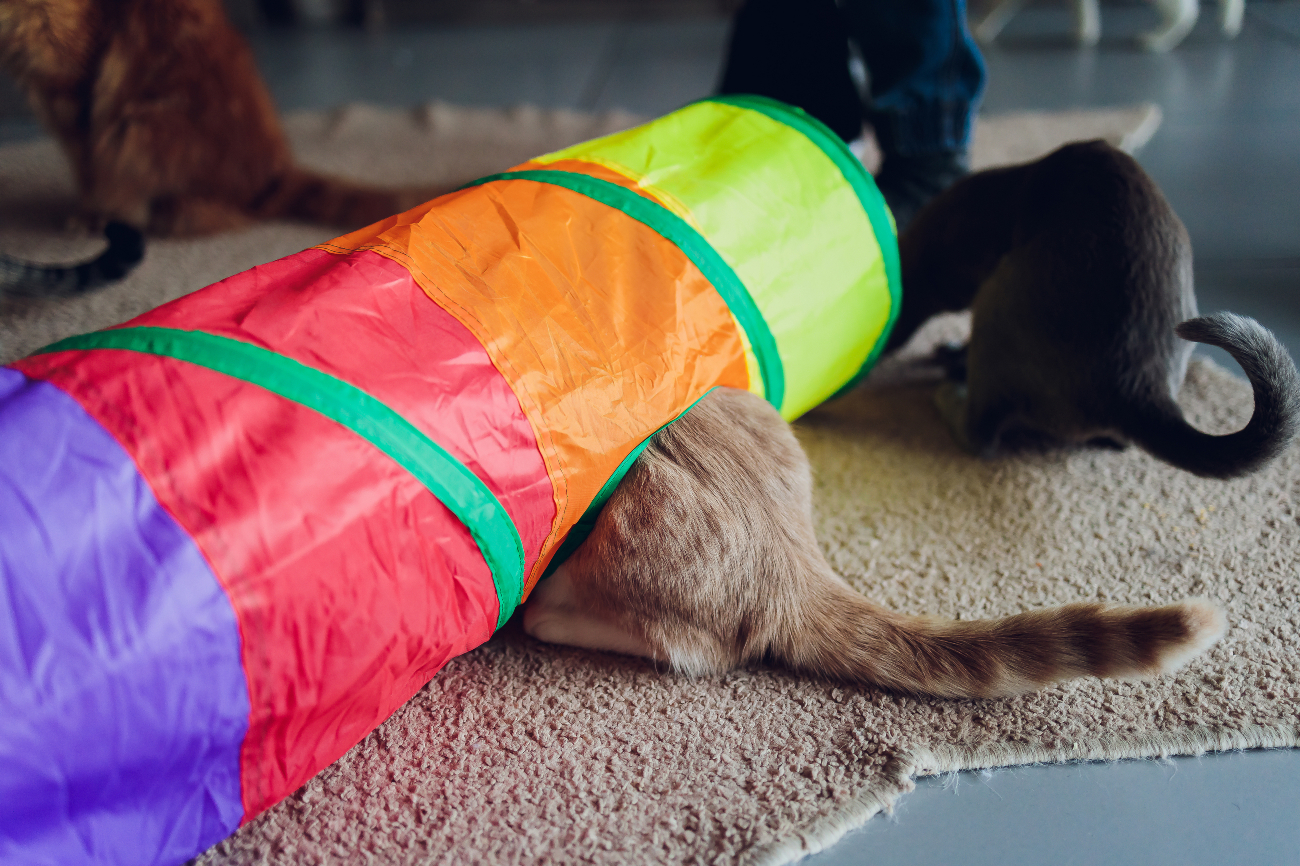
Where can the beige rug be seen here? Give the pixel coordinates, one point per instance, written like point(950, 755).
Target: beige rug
point(429, 144)
point(525, 753)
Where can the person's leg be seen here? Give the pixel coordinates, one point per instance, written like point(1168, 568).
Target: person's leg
point(926, 81)
point(795, 51)
point(927, 76)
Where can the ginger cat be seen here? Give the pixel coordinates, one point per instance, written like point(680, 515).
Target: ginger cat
point(165, 121)
point(705, 558)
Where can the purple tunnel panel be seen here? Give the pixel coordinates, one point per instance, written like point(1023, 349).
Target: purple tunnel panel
point(123, 702)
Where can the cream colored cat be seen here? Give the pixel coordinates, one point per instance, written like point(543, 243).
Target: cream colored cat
point(705, 558)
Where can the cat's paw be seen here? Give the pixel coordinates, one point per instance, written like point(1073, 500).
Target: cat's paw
point(951, 401)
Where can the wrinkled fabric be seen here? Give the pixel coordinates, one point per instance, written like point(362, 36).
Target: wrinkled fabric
point(123, 699)
point(390, 342)
point(528, 337)
point(604, 329)
point(353, 585)
point(607, 330)
point(783, 215)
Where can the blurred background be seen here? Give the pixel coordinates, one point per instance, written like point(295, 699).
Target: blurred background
point(1227, 156)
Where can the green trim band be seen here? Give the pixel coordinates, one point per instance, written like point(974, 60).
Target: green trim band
point(587, 522)
point(677, 231)
point(873, 203)
point(456, 487)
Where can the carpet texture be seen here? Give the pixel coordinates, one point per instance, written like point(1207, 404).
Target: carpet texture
point(521, 752)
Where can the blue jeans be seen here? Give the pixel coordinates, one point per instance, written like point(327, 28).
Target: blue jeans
point(925, 74)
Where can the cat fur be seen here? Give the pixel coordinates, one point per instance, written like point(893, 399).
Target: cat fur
point(165, 120)
point(705, 558)
point(1079, 277)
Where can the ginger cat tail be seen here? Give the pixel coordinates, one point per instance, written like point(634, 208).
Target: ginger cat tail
point(848, 637)
point(302, 194)
point(705, 558)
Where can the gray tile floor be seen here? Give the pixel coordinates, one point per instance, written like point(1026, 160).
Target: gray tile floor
point(1228, 157)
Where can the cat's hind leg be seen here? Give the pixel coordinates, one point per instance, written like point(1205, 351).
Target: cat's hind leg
point(705, 558)
point(694, 551)
point(98, 207)
point(555, 613)
point(952, 358)
point(1016, 379)
point(977, 424)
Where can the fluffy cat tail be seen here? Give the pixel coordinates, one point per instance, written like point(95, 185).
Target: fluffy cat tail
point(19, 279)
point(858, 641)
point(305, 195)
point(1161, 429)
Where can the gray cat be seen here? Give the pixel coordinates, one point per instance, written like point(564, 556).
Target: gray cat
point(1079, 276)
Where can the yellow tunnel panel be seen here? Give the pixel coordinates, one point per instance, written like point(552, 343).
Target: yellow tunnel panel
point(782, 213)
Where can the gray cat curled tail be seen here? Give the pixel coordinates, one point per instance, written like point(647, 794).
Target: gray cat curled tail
point(1159, 426)
point(1078, 274)
point(19, 279)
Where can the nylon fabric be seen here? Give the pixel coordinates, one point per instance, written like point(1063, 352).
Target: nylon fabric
point(367, 453)
point(614, 176)
point(603, 328)
point(352, 584)
point(402, 350)
point(610, 174)
point(647, 211)
point(587, 522)
point(466, 496)
point(124, 698)
point(883, 227)
point(788, 219)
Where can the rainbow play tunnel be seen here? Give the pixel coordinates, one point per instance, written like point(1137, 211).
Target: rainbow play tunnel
point(239, 531)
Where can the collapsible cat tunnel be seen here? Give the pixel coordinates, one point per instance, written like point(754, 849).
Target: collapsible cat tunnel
point(240, 530)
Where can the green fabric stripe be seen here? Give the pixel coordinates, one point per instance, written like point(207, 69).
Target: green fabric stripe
point(873, 203)
point(446, 478)
point(579, 531)
point(677, 231)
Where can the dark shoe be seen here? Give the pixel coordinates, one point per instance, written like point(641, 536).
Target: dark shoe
point(909, 182)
